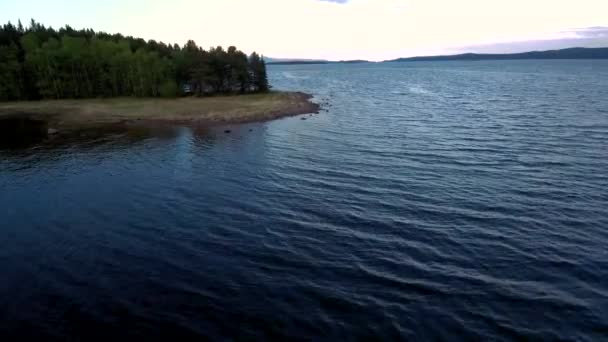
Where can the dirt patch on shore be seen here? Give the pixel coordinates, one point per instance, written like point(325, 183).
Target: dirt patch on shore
point(69, 115)
point(221, 113)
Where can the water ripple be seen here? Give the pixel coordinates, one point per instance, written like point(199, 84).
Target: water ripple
point(429, 201)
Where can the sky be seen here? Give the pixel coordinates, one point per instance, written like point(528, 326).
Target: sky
point(336, 29)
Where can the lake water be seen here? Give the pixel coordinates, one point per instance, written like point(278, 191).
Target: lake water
point(448, 200)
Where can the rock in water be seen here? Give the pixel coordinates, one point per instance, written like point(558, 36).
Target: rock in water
point(52, 131)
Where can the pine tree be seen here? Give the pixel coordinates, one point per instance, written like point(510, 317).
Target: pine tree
point(259, 78)
point(262, 76)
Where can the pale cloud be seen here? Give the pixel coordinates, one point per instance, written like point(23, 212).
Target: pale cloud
point(591, 32)
point(337, 1)
point(371, 29)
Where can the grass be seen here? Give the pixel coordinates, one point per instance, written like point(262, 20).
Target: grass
point(76, 114)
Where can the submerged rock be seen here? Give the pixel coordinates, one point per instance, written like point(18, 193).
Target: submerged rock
point(227, 131)
point(52, 131)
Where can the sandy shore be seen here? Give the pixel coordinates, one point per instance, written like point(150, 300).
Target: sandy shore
point(66, 115)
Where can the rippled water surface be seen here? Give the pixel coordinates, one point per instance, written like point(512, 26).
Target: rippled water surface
point(460, 201)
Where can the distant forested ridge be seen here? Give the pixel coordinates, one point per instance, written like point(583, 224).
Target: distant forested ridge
point(39, 62)
point(280, 61)
point(571, 53)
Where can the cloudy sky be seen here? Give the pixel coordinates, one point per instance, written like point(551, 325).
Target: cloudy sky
point(337, 29)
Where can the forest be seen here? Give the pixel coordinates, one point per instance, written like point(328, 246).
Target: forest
point(43, 63)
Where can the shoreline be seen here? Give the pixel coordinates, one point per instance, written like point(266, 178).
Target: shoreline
point(63, 116)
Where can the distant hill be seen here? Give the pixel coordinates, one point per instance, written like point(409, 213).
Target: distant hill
point(571, 53)
point(271, 60)
point(297, 62)
point(287, 61)
point(353, 61)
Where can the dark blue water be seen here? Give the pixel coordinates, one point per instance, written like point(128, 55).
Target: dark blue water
point(431, 201)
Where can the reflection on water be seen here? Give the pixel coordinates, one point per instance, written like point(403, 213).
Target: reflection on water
point(22, 136)
point(19, 131)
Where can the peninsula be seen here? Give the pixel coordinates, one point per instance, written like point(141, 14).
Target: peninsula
point(71, 115)
point(71, 79)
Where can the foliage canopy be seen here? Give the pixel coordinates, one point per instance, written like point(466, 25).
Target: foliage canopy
point(39, 62)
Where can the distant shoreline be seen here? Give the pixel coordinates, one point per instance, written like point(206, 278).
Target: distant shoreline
point(562, 54)
point(60, 116)
point(297, 62)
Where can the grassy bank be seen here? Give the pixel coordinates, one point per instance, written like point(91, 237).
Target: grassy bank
point(81, 114)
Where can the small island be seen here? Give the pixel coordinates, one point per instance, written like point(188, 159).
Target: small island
point(69, 79)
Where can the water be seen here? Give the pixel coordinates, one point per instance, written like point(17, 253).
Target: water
point(430, 201)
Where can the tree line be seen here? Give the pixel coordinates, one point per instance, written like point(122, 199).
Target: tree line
point(43, 63)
